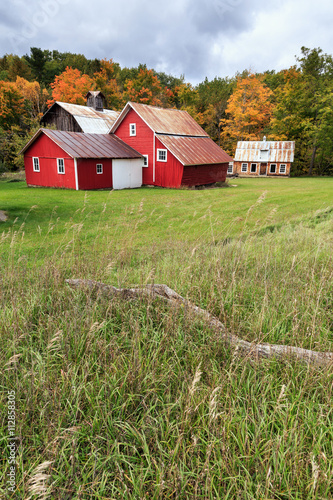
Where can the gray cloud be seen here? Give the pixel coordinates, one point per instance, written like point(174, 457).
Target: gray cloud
point(190, 37)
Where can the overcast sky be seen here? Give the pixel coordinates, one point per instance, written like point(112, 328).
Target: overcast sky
point(194, 38)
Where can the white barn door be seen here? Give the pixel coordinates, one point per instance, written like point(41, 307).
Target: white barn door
point(127, 173)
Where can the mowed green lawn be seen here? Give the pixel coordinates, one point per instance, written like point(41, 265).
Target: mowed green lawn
point(135, 399)
point(154, 215)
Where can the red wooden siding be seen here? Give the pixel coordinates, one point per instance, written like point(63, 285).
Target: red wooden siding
point(169, 173)
point(197, 175)
point(88, 177)
point(48, 152)
point(143, 141)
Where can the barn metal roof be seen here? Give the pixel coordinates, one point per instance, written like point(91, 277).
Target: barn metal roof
point(90, 120)
point(163, 120)
point(79, 145)
point(194, 150)
point(278, 151)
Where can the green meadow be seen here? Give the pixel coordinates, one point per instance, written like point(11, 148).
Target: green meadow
point(135, 399)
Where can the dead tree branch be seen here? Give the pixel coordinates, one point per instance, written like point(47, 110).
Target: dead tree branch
point(256, 351)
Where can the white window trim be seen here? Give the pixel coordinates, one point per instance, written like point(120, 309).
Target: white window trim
point(145, 163)
point(230, 168)
point(162, 151)
point(244, 171)
point(99, 165)
point(253, 171)
point(270, 168)
point(58, 164)
point(132, 129)
point(285, 168)
point(33, 164)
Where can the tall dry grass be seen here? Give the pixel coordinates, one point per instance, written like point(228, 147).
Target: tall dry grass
point(137, 400)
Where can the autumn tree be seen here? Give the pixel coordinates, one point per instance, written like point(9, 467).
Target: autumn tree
point(12, 110)
point(107, 81)
point(147, 89)
point(249, 111)
point(34, 96)
point(71, 86)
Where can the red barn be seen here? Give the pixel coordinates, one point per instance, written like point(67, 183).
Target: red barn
point(176, 149)
point(74, 160)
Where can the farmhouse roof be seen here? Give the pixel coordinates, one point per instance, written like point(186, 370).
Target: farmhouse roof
point(78, 145)
point(163, 120)
point(194, 150)
point(278, 151)
point(90, 120)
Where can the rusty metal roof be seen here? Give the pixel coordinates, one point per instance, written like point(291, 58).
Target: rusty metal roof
point(163, 120)
point(90, 120)
point(79, 145)
point(277, 151)
point(194, 150)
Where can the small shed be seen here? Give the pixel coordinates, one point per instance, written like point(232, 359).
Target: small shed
point(177, 151)
point(90, 119)
point(72, 160)
point(263, 158)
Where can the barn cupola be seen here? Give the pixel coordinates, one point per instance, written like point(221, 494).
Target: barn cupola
point(95, 100)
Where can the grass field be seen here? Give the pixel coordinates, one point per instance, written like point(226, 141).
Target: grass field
point(138, 400)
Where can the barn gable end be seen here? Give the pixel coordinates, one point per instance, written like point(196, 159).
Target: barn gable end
point(172, 141)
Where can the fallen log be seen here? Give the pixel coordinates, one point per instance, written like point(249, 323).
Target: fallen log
point(247, 349)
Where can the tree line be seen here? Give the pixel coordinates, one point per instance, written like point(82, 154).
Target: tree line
point(294, 104)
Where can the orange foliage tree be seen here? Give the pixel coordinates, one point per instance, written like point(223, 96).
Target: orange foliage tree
point(147, 88)
point(106, 82)
point(249, 111)
point(71, 86)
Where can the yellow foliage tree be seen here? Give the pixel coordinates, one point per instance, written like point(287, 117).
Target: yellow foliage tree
point(249, 112)
point(34, 95)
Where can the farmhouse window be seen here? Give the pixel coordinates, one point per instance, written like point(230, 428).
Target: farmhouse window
point(272, 169)
point(145, 160)
point(264, 155)
point(132, 129)
point(36, 164)
point(99, 168)
point(253, 168)
point(244, 167)
point(61, 165)
point(162, 155)
point(230, 168)
point(283, 168)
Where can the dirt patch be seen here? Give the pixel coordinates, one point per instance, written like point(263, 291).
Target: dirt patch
point(3, 216)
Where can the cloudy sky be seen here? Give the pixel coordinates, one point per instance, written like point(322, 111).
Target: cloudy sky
point(194, 38)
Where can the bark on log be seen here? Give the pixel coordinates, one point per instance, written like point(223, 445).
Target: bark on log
point(247, 349)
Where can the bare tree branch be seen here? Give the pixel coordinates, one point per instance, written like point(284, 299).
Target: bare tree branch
point(257, 351)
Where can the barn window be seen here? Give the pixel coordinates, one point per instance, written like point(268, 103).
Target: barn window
point(283, 168)
point(272, 168)
point(162, 155)
point(145, 160)
point(99, 168)
point(61, 165)
point(36, 164)
point(253, 168)
point(230, 168)
point(132, 129)
point(244, 167)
